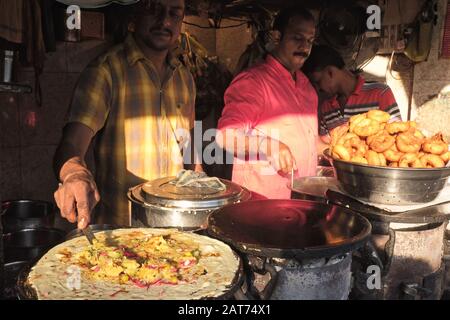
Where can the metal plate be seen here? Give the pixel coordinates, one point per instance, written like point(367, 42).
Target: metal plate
point(289, 228)
point(160, 193)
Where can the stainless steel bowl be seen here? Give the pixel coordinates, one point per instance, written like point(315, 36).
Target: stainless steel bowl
point(385, 185)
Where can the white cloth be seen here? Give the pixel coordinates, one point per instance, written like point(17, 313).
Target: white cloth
point(189, 178)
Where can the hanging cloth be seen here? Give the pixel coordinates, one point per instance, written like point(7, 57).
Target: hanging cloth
point(11, 20)
point(419, 43)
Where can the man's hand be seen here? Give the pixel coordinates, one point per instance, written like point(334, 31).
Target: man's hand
point(281, 155)
point(273, 150)
point(77, 195)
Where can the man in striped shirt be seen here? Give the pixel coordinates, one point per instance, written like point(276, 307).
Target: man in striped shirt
point(343, 93)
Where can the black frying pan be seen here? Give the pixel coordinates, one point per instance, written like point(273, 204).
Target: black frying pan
point(289, 228)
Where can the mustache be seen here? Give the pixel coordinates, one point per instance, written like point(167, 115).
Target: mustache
point(301, 54)
point(161, 30)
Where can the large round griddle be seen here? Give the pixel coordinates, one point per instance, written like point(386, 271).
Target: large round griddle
point(25, 291)
point(289, 228)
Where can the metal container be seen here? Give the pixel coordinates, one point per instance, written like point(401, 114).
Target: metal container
point(30, 244)
point(446, 261)
point(159, 204)
point(312, 188)
point(412, 270)
point(25, 214)
point(402, 242)
point(300, 281)
point(385, 185)
point(12, 271)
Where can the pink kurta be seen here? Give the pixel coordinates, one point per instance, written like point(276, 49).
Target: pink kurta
point(266, 100)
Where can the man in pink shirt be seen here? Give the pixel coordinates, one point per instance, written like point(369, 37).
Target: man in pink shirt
point(269, 121)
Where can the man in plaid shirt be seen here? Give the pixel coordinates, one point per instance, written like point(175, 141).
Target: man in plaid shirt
point(133, 100)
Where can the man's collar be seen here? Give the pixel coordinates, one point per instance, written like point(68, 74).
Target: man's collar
point(134, 53)
point(359, 85)
point(281, 70)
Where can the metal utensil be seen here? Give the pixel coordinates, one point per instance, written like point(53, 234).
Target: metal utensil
point(94, 227)
point(292, 177)
point(89, 234)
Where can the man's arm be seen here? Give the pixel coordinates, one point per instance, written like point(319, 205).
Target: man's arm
point(77, 194)
point(73, 146)
point(244, 104)
point(323, 142)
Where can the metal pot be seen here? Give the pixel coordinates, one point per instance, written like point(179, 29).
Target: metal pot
point(158, 204)
point(30, 244)
point(24, 214)
point(312, 188)
point(12, 271)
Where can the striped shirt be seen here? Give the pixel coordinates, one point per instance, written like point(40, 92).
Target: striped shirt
point(136, 118)
point(367, 96)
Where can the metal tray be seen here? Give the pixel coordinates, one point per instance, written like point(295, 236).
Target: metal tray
point(386, 185)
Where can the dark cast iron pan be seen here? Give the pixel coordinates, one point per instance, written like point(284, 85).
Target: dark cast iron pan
point(290, 229)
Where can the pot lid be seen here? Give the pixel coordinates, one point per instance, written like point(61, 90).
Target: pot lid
point(162, 192)
point(289, 228)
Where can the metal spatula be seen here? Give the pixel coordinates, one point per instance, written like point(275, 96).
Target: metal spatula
point(89, 234)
